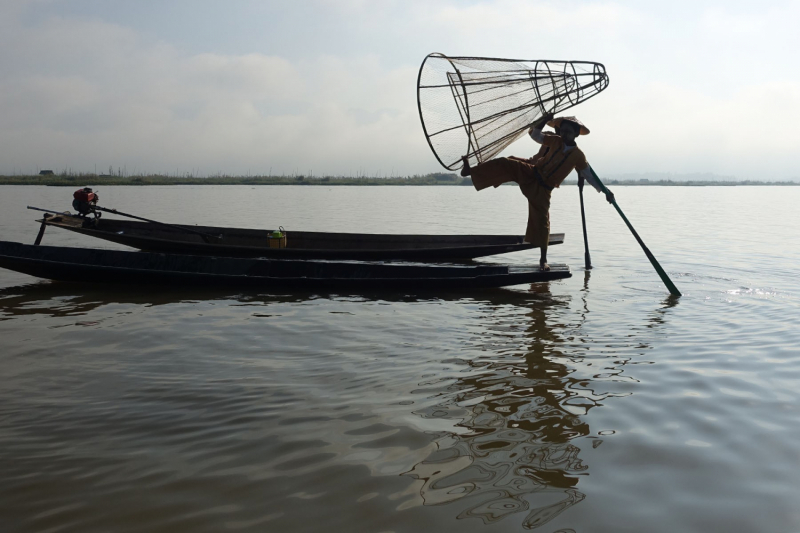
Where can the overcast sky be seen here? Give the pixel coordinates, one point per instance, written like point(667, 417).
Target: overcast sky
point(329, 86)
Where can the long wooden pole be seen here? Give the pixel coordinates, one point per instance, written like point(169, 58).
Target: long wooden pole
point(586, 257)
point(673, 290)
point(53, 211)
point(156, 222)
point(205, 236)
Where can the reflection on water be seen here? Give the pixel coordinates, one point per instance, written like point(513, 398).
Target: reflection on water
point(57, 299)
point(521, 415)
point(68, 299)
point(65, 299)
point(517, 408)
point(205, 411)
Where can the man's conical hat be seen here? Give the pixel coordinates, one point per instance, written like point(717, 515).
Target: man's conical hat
point(556, 122)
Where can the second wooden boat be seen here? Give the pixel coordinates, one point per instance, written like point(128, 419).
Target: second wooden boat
point(240, 242)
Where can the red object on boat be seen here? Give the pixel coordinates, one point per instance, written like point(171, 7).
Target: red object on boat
point(85, 195)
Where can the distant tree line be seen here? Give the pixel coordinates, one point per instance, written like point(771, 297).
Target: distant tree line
point(68, 179)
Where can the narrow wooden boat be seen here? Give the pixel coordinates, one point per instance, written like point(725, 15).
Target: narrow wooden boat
point(239, 242)
point(121, 267)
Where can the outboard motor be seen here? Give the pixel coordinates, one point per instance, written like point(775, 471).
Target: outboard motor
point(84, 202)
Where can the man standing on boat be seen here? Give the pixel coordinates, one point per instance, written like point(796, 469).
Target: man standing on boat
point(537, 177)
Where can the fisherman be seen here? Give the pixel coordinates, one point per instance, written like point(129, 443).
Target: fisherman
point(538, 176)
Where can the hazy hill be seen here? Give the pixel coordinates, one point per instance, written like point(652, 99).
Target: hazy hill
point(703, 177)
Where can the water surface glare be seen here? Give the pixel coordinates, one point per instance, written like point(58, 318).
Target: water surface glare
point(592, 404)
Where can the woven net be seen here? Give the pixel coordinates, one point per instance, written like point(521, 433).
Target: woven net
point(476, 106)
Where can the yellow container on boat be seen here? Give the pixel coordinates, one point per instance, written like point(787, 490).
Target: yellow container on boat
point(277, 239)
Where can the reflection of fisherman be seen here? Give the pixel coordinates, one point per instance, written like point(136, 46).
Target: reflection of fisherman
point(521, 450)
point(538, 177)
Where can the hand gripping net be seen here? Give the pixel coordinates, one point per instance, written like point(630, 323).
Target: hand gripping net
point(476, 106)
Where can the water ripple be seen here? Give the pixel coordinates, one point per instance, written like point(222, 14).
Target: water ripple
point(590, 404)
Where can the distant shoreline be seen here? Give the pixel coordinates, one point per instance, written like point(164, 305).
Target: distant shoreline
point(82, 180)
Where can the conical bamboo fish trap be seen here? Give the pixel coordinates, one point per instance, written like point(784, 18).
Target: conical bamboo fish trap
point(477, 106)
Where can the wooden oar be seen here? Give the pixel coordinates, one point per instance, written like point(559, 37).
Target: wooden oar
point(53, 211)
point(205, 236)
point(587, 259)
point(673, 290)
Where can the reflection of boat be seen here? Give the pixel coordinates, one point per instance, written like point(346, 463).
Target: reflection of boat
point(239, 242)
point(61, 299)
point(64, 299)
point(112, 266)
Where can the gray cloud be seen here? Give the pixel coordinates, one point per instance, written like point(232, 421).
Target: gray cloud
point(80, 90)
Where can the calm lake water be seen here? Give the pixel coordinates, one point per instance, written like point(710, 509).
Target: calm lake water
point(592, 404)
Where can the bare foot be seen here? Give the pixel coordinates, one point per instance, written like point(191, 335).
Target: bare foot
point(466, 169)
point(544, 267)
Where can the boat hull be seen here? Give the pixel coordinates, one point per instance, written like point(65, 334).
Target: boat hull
point(129, 268)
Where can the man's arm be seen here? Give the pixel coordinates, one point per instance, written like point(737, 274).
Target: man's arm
point(536, 128)
point(587, 175)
